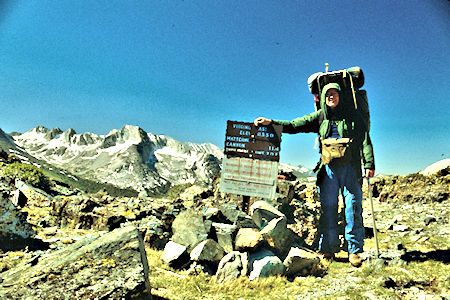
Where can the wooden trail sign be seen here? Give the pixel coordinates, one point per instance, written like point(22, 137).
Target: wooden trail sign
point(255, 142)
point(250, 164)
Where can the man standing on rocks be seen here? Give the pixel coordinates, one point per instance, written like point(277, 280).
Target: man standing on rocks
point(345, 143)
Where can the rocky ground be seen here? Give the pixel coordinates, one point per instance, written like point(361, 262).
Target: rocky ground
point(89, 244)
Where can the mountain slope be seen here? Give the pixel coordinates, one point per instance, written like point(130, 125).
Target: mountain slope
point(6, 141)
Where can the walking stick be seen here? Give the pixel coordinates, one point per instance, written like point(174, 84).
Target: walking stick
point(373, 217)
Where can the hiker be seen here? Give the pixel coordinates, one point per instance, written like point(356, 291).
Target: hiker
point(344, 142)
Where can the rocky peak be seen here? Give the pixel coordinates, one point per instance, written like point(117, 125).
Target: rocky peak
point(68, 134)
point(134, 133)
point(127, 134)
point(54, 133)
point(40, 129)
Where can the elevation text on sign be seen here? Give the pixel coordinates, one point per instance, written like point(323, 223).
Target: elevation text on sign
point(256, 142)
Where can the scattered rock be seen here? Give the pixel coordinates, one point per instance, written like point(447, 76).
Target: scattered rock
point(188, 229)
point(376, 263)
point(225, 235)
point(245, 222)
point(33, 194)
point(175, 255)
point(208, 250)
point(248, 238)
point(15, 231)
point(143, 194)
point(300, 262)
point(265, 263)
point(232, 265)
point(19, 199)
point(278, 236)
point(387, 282)
point(412, 188)
point(429, 219)
point(399, 228)
point(262, 213)
point(231, 212)
point(209, 212)
point(400, 246)
point(194, 192)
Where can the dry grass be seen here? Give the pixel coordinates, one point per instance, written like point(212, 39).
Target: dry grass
point(341, 281)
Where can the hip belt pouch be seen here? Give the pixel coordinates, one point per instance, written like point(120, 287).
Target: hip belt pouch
point(335, 149)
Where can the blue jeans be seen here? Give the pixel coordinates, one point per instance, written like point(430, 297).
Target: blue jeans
point(341, 177)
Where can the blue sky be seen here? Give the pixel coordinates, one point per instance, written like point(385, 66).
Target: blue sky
point(183, 68)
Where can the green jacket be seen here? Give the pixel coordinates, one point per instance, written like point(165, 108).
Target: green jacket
point(349, 124)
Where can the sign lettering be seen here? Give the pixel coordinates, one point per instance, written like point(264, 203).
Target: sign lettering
point(256, 142)
point(250, 164)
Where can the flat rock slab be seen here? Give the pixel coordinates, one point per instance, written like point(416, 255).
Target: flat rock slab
point(104, 266)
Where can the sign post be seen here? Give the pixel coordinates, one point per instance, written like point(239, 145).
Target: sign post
point(250, 164)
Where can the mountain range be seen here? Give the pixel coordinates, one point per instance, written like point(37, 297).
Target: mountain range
point(127, 158)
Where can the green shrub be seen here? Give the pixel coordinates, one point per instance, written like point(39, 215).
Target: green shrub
point(176, 190)
point(27, 173)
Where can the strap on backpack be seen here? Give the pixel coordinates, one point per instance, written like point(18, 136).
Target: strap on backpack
point(321, 118)
point(353, 91)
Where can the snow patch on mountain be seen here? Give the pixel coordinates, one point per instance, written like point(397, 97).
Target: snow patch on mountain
point(442, 167)
point(298, 169)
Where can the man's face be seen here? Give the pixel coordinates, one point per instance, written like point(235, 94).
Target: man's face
point(332, 98)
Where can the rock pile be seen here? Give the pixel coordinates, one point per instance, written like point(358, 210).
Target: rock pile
point(229, 243)
point(76, 210)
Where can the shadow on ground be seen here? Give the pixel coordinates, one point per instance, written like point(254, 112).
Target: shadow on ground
point(18, 243)
point(418, 256)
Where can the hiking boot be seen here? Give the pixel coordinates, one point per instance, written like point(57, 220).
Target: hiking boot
point(354, 260)
point(328, 256)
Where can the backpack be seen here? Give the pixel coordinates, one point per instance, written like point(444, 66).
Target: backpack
point(350, 80)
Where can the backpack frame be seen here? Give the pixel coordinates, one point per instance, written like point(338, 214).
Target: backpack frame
point(350, 80)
